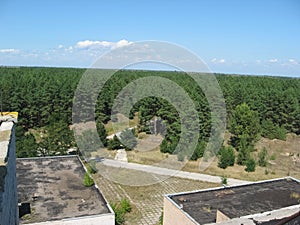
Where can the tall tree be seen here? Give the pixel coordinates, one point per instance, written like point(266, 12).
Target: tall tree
point(244, 122)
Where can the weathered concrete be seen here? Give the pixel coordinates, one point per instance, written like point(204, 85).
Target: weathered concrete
point(8, 184)
point(54, 188)
point(170, 172)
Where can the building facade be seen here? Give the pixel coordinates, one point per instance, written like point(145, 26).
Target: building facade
point(265, 202)
point(8, 182)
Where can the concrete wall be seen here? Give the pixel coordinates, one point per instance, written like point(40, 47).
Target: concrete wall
point(221, 217)
point(104, 219)
point(175, 216)
point(8, 184)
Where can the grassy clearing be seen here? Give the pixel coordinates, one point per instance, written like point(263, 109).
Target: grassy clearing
point(122, 125)
point(146, 201)
point(283, 161)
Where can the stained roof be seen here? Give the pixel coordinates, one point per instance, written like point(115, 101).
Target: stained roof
point(240, 200)
point(54, 188)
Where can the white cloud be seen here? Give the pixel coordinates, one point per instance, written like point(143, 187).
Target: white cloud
point(105, 44)
point(122, 43)
point(293, 61)
point(215, 60)
point(8, 50)
point(273, 60)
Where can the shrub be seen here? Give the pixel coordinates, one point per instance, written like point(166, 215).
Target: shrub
point(273, 157)
point(91, 167)
point(250, 165)
point(224, 180)
point(120, 209)
point(262, 158)
point(198, 153)
point(87, 180)
point(125, 205)
point(119, 214)
point(226, 157)
point(244, 149)
point(114, 143)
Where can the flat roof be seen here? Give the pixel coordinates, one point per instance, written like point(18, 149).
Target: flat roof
point(54, 188)
point(239, 201)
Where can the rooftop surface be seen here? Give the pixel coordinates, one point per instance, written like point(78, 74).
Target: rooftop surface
point(54, 187)
point(239, 201)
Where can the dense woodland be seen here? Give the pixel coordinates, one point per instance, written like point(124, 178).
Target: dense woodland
point(256, 106)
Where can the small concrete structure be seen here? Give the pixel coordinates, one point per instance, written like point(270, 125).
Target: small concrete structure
point(266, 202)
point(8, 184)
point(53, 186)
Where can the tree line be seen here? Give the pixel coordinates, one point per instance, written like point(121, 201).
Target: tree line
point(44, 99)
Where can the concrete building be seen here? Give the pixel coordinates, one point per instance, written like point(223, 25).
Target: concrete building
point(8, 184)
point(266, 202)
point(51, 191)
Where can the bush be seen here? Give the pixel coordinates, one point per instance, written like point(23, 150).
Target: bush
point(114, 143)
point(244, 150)
point(198, 153)
point(226, 157)
point(120, 210)
point(262, 158)
point(91, 167)
point(119, 214)
point(250, 165)
point(87, 180)
point(125, 205)
point(224, 180)
point(273, 157)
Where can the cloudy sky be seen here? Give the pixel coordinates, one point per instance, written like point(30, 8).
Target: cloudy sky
point(232, 36)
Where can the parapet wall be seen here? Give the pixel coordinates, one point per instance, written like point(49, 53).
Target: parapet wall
point(8, 184)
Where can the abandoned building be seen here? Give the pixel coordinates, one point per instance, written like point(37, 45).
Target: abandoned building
point(46, 190)
point(265, 202)
point(8, 182)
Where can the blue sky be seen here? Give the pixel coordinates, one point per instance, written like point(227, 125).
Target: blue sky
point(232, 36)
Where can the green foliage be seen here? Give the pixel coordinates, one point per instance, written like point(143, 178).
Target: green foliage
point(120, 209)
point(244, 150)
point(101, 132)
point(199, 151)
point(273, 157)
point(58, 138)
point(26, 145)
point(161, 218)
point(262, 157)
point(250, 165)
point(87, 180)
point(244, 122)
point(114, 143)
point(226, 157)
point(125, 205)
point(44, 96)
point(91, 167)
point(88, 141)
point(128, 139)
point(224, 180)
point(271, 131)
